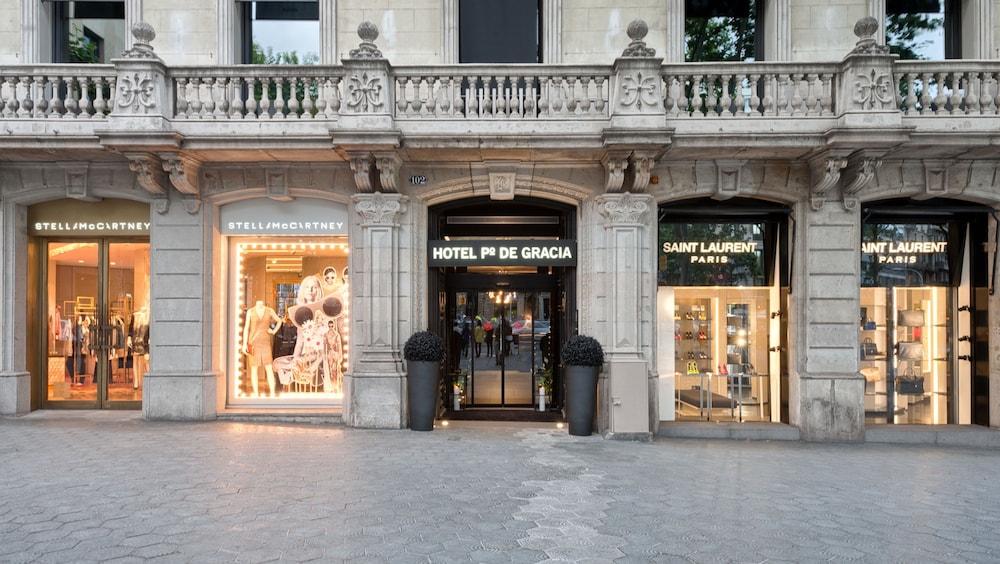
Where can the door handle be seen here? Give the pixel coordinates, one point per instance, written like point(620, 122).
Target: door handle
point(778, 348)
point(965, 338)
point(967, 357)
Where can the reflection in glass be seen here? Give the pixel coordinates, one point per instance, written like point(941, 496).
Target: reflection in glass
point(915, 29)
point(284, 33)
point(93, 32)
point(127, 335)
point(720, 31)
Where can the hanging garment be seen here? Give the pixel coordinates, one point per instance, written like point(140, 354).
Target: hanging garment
point(259, 336)
point(284, 339)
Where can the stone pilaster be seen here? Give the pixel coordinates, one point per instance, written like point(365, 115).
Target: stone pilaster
point(625, 292)
point(826, 395)
point(180, 383)
point(15, 381)
point(376, 383)
point(994, 321)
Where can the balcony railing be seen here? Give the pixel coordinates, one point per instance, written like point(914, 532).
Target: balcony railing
point(56, 91)
point(948, 88)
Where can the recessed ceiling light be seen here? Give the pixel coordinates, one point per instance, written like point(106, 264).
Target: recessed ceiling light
point(113, 263)
point(80, 261)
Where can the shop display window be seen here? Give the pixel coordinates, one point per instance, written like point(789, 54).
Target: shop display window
point(290, 320)
point(914, 307)
point(720, 317)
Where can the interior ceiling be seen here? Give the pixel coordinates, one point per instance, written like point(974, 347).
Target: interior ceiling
point(121, 255)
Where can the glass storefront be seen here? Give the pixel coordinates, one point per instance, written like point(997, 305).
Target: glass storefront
point(289, 307)
point(94, 291)
point(720, 317)
point(917, 320)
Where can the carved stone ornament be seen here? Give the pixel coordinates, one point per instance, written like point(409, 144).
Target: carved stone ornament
point(143, 33)
point(361, 166)
point(502, 185)
point(379, 208)
point(76, 185)
point(387, 165)
point(191, 204)
point(161, 204)
point(826, 178)
point(614, 168)
point(864, 173)
point(637, 30)
point(368, 33)
point(148, 173)
point(623, 209)
point(183, 172)
point(729, 179)
point(276, 184)
point(865, 29)
point(135, 92)
point(642, 168)
point(873, 91)
point(364, 93)
point(638, 90)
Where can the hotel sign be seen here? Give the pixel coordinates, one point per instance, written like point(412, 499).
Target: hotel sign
point(501, 253)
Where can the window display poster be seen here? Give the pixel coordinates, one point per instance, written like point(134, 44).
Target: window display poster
point(711, 254)
point(908, 254)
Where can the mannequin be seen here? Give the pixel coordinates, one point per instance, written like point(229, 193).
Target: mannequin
point(261, 325)
point(138, 341)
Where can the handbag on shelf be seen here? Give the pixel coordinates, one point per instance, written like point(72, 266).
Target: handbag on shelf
point(869, 349)
point(872, 375)
point(910, 350)
point(869, 325)
point(911, 318)
point(909, 384)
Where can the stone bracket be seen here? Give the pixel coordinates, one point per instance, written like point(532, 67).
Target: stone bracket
point(183, 171)
point(825, 171)
point(361, 166)
point(628, 169)
point(615, 162)
point(859, 173)
point(149, 173)
point(387, 164)
point(376, 171)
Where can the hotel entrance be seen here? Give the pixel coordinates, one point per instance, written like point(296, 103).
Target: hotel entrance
point(502, 340)
point(503, 275)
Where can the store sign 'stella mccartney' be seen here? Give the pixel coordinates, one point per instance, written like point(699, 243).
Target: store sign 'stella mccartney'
point(501, 253)
point(710, 252)
point(902, 252)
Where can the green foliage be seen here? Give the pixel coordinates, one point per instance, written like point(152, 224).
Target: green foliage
point(261, 56)
point(901, 31)
point(720, 38)
point(81, 49)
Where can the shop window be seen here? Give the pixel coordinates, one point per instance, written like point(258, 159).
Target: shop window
point(915, 306)
point(281, 33)
point(924, 29)
point(290, 312)
point(720, 304)
point(728, 30)
point(88, 32)
point(500, 32)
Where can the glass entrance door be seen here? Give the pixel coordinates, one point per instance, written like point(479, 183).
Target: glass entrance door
point(500, 346)
point(96, 309)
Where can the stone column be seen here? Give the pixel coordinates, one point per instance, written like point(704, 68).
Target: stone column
point(623, 261)
point(826, 395)
point(180, 383)
point(994, 320)
point(376, 383)
point(15, 381)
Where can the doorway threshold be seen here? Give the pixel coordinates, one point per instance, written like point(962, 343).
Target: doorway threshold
point(943, 435)
point(505, 414)
point(734, 430)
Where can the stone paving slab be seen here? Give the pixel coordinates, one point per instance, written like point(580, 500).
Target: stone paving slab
point(113, 488)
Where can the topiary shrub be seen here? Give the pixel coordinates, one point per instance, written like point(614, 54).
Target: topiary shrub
point(582, 350)
point(423, 346)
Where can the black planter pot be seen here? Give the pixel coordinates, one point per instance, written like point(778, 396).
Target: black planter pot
point(581, 399)
point(421, 393)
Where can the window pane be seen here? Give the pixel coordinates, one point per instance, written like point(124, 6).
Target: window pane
point(720, 30)
point(284, 33)
point(499, 32)
point(915, 29)
point(94, 31)
point(72, 321)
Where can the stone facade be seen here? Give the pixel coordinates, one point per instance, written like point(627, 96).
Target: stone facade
point(614, 140)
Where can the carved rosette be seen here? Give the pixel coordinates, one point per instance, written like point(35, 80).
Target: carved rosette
point(136, 93)
point(379, 208)
point(874, 91)
point(364, 93)
point(639, 90)
point(623, 209)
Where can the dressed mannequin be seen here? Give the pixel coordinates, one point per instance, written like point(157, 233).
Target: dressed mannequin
point(138, 342)
point(261, 325)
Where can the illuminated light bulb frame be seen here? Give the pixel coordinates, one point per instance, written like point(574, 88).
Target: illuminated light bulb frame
point(238, 362)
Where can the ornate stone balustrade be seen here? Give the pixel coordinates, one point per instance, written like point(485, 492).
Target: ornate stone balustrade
point(56, 91)
point(502, 92)
point(261, 92)
point(735, 90)
point(947, 88)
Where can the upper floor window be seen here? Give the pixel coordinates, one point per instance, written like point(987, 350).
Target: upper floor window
point(281, 33)
point(88, 32)
point(924, 29)
point(723, 30)
point(499, 32)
